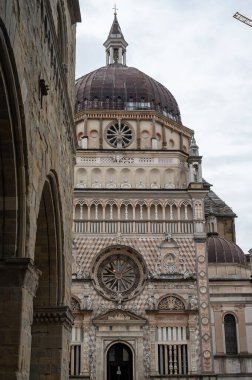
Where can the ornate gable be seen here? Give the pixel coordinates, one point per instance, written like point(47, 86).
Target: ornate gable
point(119, 316)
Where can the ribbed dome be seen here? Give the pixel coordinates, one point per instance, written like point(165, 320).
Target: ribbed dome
point(117, 86)
point(221, 250)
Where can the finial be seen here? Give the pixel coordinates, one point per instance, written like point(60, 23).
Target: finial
point(115, 10)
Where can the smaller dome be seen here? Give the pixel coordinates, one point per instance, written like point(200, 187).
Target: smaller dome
point(223, 251)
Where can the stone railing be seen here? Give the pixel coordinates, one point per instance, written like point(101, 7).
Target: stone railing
point(131, 227)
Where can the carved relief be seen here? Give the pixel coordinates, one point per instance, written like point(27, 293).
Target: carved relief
point(75, 305)
point(171, 303)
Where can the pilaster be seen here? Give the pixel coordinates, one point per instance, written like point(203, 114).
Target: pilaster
point(204, 308)
point(51, 334)
point(18, 284)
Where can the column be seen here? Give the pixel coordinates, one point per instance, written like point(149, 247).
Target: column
point(100, 135)
point(18, 284)
point(217, 309)
point(242, 329)
point(164, 141)
point(120, 55)
point(85, 346)
point(138, 135)
point(204, 307)
point(51, 335)
point(124, 57)
point(111, 55)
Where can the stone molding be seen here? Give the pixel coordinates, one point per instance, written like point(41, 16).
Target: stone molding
point(129, 115)
point(59, 315)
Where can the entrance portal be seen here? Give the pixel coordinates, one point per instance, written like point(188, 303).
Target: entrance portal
point(119, 362)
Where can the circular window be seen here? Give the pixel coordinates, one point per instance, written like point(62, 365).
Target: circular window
point(119, 135)
point(119, 273)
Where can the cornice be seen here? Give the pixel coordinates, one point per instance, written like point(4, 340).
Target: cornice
point(137, 115)
point(60, 315)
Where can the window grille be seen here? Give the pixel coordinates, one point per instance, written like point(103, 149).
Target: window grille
point(230, 334)
point(75, 360)
point(172, 359)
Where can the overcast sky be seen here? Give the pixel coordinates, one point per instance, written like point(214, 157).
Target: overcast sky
point(204, 57)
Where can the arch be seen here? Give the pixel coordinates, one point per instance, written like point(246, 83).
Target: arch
point(81, 178)
point(156, 210)
point(126, 210)
point(185, 210)
point(141, 211)
point(81, 210)
point(169, 179)
point(171, 211)
point(139, 179)
point(50, 296)
point(171, 302)
point(48, 247)
point(12, 156)
point(119, 361)
point(111, 210)
point(198, 210)
point(231, 345)
point(154, 178)
point(110, 179)
point(96, 178)
point(96, 210)
point(125, 178)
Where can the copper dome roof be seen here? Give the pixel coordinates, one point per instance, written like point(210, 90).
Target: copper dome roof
point(117, 86)
point(221, 250)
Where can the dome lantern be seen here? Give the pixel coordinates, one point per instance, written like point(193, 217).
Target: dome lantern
point(115, 44)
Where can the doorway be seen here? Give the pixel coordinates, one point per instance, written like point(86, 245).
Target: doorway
point(119, 362)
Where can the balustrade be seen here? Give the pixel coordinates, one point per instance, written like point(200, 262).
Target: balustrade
point(138, 226)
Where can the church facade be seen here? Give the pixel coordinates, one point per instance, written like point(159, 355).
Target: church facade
point(160, 290)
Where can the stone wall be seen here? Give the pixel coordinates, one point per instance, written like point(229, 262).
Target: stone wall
point(37, 44)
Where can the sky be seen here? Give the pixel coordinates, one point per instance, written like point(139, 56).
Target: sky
point(203, 55)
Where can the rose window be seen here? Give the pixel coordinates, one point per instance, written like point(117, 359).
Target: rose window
point(118, 273)
point(119, 135)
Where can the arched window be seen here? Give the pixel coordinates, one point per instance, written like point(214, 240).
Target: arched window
point(230, 334)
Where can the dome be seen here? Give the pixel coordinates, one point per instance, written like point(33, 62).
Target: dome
point(119, 87)
point(223, 251)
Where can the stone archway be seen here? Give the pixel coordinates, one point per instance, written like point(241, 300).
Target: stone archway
point(52, 319)
point(18, 278)
point(12, 177)
point(119, 362)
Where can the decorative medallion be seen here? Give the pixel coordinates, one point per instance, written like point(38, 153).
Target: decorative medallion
point(203, 289)
point(201, 259)
point(204, 305)
point(171, 303)
point(202, 274)
point(119, 135)
point(204, 320)
point(119, 273)
point(206, 337)
point(207, 354)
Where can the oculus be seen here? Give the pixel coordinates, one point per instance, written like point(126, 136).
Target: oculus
point(119, 273)
point(119, 135)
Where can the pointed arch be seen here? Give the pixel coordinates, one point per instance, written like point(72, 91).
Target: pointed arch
point(13, 156)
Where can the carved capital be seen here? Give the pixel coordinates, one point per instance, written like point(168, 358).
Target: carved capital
point(59, 315)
